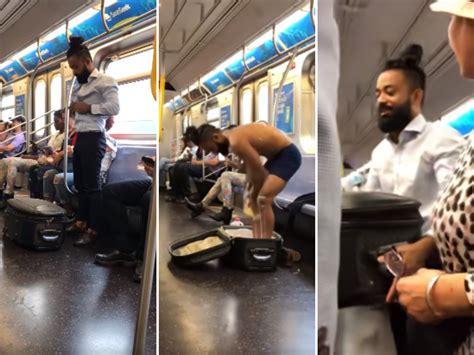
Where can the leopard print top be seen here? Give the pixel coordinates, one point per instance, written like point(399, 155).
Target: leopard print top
point(453, 226)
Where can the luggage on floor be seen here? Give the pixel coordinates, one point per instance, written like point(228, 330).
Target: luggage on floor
point(370, 222)
point(236, 248)
point(35, 223)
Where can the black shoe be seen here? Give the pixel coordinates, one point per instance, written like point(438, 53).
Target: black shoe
point(138, 275)
point(196, 208)
point(5, 198)
point(115, 258)
point(85, 239)
point(225, 215)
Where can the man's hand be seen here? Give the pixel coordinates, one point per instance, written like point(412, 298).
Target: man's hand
point(80, 107)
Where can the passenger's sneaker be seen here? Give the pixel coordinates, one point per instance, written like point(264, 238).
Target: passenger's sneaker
point(115, 258)
point(225, 215)
point(196, 208)
point(5, 198)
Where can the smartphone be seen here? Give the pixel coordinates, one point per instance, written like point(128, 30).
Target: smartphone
point(148, 161)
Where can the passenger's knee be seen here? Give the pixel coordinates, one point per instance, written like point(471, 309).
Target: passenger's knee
point(264, 201)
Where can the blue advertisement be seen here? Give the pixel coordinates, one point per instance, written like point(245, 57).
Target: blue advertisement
point(54, 47)
point(285, 112)
point(260, 54)
point(295, 33)
point(464, 124)
point(236, 70)
point(12, 71)
point(20, 105)
point(226, 119)
point(122, 12)
point(90, 28)
point(30, 61)
point(179, 102)
point(217, 82)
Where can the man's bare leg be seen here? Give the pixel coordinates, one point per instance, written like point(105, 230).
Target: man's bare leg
point(272, 186)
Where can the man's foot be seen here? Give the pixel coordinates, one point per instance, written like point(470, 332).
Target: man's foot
point(5, 198)
point(225, 215)
point(137, 277)
point(85, 239)
point(196, 208)
point(115, 257)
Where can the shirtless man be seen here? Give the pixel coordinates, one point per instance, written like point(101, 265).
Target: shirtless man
point(265, 182)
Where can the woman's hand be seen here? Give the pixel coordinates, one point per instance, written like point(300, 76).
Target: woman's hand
point(414, 257)
point(412, 294)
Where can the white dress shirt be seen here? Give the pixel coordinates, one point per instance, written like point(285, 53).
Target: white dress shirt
point(419, 166)
point(101, 92)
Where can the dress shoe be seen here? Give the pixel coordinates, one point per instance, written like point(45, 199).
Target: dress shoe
point(85, 239)
point(115, 257)
point(196, 208)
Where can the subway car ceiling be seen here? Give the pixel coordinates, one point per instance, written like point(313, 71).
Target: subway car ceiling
point(193, 45)
point(372, 32)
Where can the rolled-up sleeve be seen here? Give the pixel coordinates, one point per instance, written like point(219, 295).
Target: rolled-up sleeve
point(110, 105)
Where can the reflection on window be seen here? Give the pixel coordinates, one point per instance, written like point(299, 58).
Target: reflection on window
point(40, 106)
point(138, 110)
point(55, 97)
point(246, 107)
point(132, 65)
point(263, 102)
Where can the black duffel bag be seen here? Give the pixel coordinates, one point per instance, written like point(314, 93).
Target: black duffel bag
point(371, 223)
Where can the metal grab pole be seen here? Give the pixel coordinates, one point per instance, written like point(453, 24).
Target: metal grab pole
point(147, 282)
point(66, 136)
point(282, 82)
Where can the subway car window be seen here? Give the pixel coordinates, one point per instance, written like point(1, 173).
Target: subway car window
point(40, 106)
point(214, 117)
point(263, 102)
point(246, 107)
point(7, 107)
point(138, 110)
point(55, 96)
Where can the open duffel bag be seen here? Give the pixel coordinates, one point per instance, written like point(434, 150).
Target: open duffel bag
point(35, 224)
point(234, 245)
point(371, 223)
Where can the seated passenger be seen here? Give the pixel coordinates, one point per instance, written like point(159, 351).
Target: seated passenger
point(9, 167)
point(186, 155)
point(54, 161)
point(265, 182)
point(15, 138)
point(116, 196)
point(224, 184)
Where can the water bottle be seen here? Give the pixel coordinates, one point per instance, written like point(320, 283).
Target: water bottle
point(236, 222)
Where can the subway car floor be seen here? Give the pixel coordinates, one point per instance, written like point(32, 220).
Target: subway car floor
point(220, 310)
point(60, 302)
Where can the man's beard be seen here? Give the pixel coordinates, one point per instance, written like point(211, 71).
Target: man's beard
point(82, 77)
point(399, 117)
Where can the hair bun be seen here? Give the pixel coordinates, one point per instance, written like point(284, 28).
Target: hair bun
point(412, 55)
point(75, 41)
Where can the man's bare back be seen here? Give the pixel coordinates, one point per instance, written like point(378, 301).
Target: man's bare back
point(266, 140)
